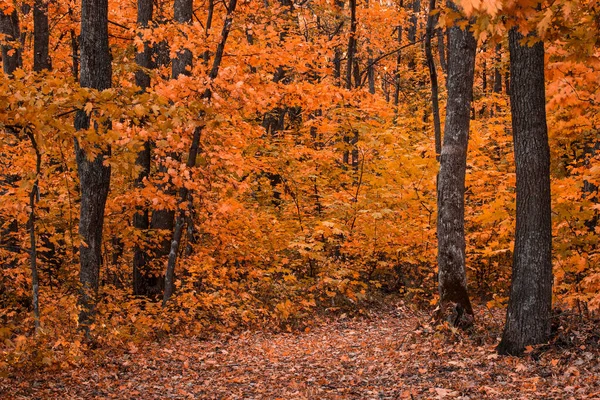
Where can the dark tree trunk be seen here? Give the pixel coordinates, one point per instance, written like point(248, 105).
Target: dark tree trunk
point(74, 50)
point(351, 45)
point(11, 50)
point(94, 176)
point(183, 12)
point(497, 71)
point(529, 307)
point(41, 36)
point(142, 279)
point(371, 72)
point(435, 105)
point(451, 180)
point(442, 50)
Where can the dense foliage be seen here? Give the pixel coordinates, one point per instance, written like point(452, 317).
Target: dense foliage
point(314, 187)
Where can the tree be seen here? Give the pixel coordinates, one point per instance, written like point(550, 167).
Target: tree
point(11, 49)
point(41, 36)
point(94, 174)
point(529, 307)
point(451, 179)
point(142, 282)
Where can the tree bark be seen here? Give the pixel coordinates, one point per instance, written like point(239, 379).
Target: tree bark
point(442, 50)
point(451, 180)
point(34, 197)
point(530, 304)
point(11, 50)
point(41, 36)
point(183, 11)
point(142, 281)
point(435, 105)
point(351, 45)
point(94, 176)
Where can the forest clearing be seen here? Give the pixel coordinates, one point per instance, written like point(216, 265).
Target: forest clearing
point(299, 198)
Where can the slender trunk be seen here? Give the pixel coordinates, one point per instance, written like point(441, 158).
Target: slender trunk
point(209, 18)
point(185, 195)
point(497, 71)
point(34, 197)
point(371, 72)
point(530, 305)
point(41, 36)
point(11, 49)
point(74, 50)
point(442, 50)
point(451, 182)
point(351, 45)
point(435, 106)
point(94, 175)
point(142, 281)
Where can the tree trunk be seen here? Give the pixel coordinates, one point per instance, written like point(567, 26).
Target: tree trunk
point(183, 12)
point(11, 50)
point(351, 45)
point(497, 72)
point(435, 105)
point(530, 304)
point(142, 281)
point(442, 50)
point(41, 36)
point(185, 195)
point(94, 176)
point(451, 180)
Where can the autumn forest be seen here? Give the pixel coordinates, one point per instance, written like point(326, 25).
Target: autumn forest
point(299, 199)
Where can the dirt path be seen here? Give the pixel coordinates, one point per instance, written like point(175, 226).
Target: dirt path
point(388, 357)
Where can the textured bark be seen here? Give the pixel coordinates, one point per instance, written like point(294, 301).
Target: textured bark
point(41, 36)
point(182, 64)
point(451, 180)
point(11, 50)
point(435, 105)
point(94, 176)
point(530, 304)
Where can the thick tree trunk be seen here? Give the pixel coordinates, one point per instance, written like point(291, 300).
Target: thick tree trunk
point(41, 36)
point(183, 12)
point(451, 179)
point(530, 304)
point(11, 50)
point(142, 280)
point(94, 176)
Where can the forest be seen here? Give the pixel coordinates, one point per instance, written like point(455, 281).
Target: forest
point(300, 199)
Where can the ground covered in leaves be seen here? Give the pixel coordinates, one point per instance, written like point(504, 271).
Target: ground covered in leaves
point(391, 354)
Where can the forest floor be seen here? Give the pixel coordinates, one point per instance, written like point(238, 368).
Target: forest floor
point(391, 354)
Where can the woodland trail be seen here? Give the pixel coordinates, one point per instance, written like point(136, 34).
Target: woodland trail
point(392, 355)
